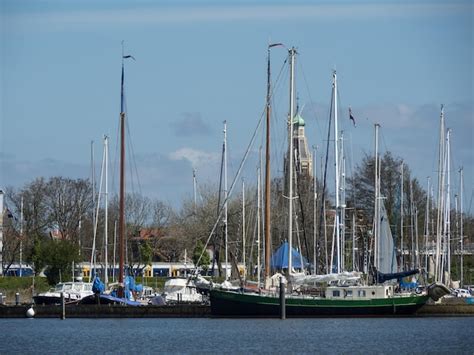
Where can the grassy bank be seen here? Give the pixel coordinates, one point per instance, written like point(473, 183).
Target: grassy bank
point(25, 286)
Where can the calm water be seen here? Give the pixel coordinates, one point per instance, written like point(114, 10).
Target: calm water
point(138, 336)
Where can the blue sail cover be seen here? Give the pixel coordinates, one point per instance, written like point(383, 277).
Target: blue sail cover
point(280, 258)
point(98, 286)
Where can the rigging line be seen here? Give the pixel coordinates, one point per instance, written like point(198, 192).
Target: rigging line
point(342, 123)
point(252, 140)
point(323, 197)
point(215, 241)
point(278, 123)
point(250, 145)
point(133, 158)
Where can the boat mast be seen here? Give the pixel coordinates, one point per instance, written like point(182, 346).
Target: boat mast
point(259, 213)
point(336, 168)
point(194, 190)
point(377, 197)
point(106, 241)
point(461, 223)
point(448, 206)
point(315, 196)
point(439, 232)
point(427, 223)
point(21, 236)
point(412, 226)
point(267, 173)
point(225, 202)
point(114, 249)
point(343, 203)
point(401, 218)
point(121, 292)
point(243, 228)
point(292, 53)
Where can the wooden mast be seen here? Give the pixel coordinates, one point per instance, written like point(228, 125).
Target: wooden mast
point(267, 227)
point(267, 174)
point(122, 188)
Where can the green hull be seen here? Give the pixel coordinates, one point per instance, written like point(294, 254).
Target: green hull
point(235, 304)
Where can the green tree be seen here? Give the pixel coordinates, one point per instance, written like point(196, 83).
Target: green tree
point(202, 261)
point(57, 256)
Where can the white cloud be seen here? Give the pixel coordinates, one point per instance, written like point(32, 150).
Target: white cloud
point(196, 157)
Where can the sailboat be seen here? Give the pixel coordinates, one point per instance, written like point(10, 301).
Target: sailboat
point(122, 292)
point(343, 293)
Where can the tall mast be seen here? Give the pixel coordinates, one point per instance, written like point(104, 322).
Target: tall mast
point(377, 198)
point(225, 201)
point(336, 169)
point(412, 223)
point(267, 227)
point(401, 217)
point(194, 190)
point(427, 223)
point(448, 206)
point(292, 53)
point(267, 172)
point(315, 197)
point(243, 228)
point(461, 223)
point(122, 186)
point(343, 203)
point(21, 236)
point(259, 213)
point(439, 228)
point(106, 234)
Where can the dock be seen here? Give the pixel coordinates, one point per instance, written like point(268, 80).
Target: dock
point(458, 309)
point(108, 311)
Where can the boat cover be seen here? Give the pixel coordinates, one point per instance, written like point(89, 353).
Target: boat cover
point(279, 259)
point(98, 286)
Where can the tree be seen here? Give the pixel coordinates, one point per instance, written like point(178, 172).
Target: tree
point(201, 257)
point(68, 201)
point(57, 256)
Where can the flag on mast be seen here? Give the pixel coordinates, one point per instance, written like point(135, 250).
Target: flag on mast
point(351, 117)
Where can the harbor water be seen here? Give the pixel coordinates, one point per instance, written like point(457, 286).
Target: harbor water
point(240, 336)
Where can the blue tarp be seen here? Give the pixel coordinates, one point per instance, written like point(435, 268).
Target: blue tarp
point(98, 286)
point(280, 258)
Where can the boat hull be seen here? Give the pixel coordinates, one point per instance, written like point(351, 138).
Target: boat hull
point(53, 300)
point(234, 304)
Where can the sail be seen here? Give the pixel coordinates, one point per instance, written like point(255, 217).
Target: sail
point(387, 260)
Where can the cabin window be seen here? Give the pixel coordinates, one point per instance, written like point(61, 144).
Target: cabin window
point(349, 293)
point(336, 293)
point(361, 293)
point(386, 292)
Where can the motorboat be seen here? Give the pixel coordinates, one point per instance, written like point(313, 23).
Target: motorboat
point(73, 292)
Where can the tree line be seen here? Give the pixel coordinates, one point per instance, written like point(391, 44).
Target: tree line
point(59, 215)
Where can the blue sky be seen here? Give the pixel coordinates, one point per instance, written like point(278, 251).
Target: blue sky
point(202, 62)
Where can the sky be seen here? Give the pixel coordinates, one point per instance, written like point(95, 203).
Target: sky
point(199, 63)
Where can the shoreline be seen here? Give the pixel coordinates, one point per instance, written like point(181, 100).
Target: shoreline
point(186, 311)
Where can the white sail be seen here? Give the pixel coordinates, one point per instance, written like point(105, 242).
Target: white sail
point(386, 257)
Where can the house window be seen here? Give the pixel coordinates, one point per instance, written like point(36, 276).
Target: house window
point(336, 293)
